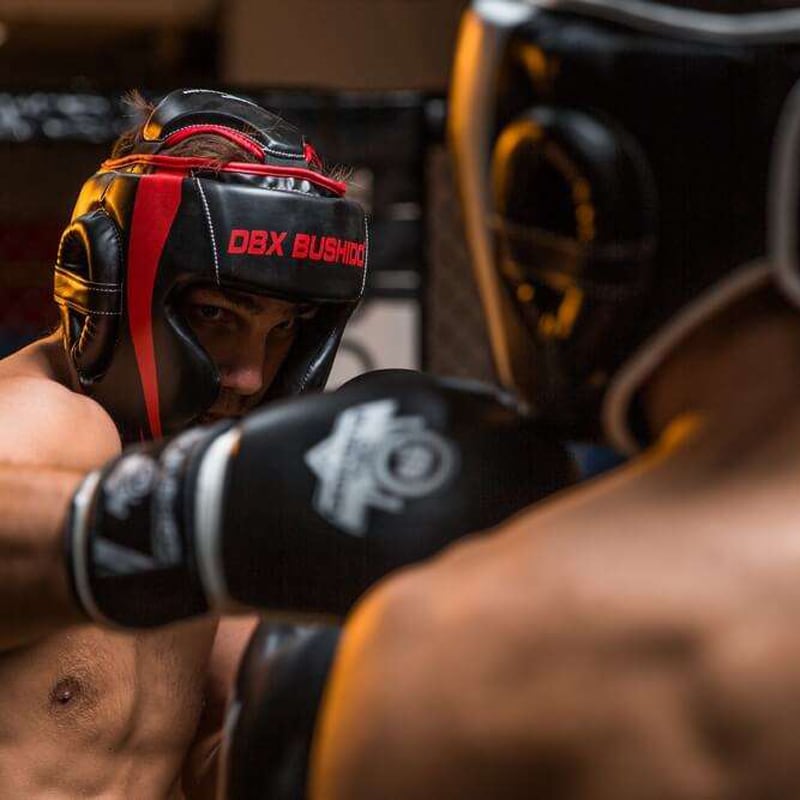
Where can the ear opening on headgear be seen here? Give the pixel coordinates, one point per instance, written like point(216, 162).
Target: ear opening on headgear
point(88, 291)
point(72, 257)
point(598, 221)
point(575, 230)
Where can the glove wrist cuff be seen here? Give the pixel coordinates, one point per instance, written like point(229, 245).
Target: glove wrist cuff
point(209, 499)
point(77, 546)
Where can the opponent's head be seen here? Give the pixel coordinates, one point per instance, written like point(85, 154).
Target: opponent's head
point(626, 168)
point(157, 237)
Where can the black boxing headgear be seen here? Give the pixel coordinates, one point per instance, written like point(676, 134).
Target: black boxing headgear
point(626, 169)
point(149, 224)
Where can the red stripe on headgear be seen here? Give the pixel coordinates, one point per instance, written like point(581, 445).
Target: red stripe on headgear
point(238, 138)
point(183, 164)
point(311, 156)
point(154, 210)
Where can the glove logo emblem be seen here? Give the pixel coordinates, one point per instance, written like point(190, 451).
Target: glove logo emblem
point(374, 459)
point(131, 480)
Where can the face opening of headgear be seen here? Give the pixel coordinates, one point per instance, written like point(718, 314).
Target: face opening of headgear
point(626, 168)
point(147, 225)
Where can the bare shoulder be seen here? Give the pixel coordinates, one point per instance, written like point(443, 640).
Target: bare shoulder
point(528, 586)
point(42, 422)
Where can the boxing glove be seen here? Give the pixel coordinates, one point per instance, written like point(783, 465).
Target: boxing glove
point(270, 722)
point(302, 505)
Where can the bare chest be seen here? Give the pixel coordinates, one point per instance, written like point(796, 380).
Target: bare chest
point(92, 687)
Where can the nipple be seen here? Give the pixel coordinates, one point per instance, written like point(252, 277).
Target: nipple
point(65, 692)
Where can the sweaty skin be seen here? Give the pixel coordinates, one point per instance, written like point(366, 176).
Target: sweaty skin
point(632, 638)
point(90, 712)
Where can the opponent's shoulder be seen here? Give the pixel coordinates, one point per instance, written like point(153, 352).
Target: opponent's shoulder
point(488, 598)
point(463, 649)
point(44, 422)
point(513, 595)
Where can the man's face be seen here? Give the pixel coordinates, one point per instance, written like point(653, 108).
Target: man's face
point(247, 337)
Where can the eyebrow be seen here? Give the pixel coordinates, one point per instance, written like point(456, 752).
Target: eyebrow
point(245, 302)
point(242, 301)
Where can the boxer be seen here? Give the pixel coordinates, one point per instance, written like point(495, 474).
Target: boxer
point(192, 289)
point(629, 173)
point(183, 300)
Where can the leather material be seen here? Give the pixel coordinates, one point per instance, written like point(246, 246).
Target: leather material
point(284, 265)
point(577, 227)
point(317, 340)
point(630, 169)
point(271, 719)
point(186, 107)
point(88, 283)
point(384, 472)
point(304, 504)
point(283, 235)
point(130, 553)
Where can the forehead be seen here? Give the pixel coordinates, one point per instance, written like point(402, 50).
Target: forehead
point(249, 302)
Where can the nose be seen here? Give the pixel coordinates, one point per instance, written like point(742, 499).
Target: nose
point(243, 379)
point(243, 370)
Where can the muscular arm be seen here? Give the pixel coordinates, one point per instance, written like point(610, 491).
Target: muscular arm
point(49, 439)
point(34, 596)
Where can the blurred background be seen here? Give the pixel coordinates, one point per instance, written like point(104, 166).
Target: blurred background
point(366, 80)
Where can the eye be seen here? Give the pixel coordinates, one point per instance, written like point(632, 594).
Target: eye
point(210, 314)
point(290, 324)
point(287, 325)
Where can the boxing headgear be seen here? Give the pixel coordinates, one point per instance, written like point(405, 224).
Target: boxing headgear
point(149, 224)
point(626, 168)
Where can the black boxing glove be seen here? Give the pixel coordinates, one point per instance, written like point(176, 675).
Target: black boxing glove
point(269, 726)
point(302, 505)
